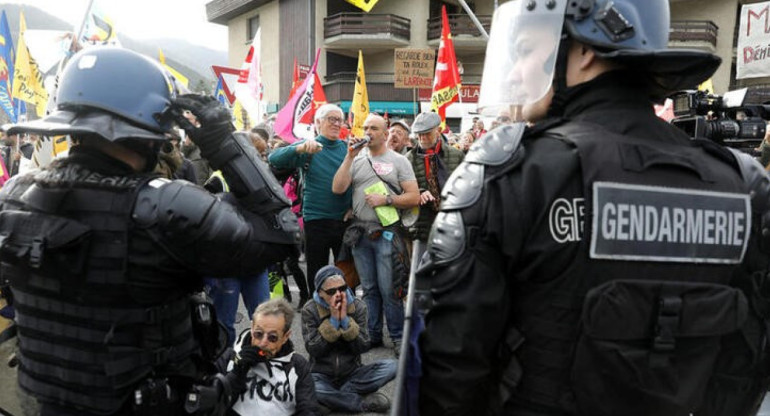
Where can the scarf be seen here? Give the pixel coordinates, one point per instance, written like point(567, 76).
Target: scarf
point(435, 171)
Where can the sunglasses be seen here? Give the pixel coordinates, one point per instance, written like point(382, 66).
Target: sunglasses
point(334, 290)
point(271, 337)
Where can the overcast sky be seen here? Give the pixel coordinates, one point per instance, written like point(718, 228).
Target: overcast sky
point(142, 19)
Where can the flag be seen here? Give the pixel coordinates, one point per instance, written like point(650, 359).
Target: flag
point(98, 28)
point(241, 117)
point(219, 92)
point(707, 86)
point(4, 175)
point(446, 82)
point(360, 104)
point(295, 120)
point(365, 5)
point(295, 81)
point(176, 74)
point(248, 89)
point(6, 68)
point(27, 80)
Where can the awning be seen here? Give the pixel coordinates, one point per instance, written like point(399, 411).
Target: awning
point(405, 108)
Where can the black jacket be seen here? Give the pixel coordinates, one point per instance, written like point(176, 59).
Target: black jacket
point(335, 352)
point(509, 288)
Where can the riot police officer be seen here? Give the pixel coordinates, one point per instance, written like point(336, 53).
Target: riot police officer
point(102, 255)
point(588, 264)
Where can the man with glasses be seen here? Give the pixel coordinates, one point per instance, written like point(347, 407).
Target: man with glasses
point(335, 332)
point(433, 160)
point(318, 160)
point(271, 378)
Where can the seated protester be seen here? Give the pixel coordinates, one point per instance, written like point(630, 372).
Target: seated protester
point(335, 332)
point(270, 378)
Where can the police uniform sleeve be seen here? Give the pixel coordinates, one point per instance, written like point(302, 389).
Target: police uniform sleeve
point(466, 273)
point(207, 234)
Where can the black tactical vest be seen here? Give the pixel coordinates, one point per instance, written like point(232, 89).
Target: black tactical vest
point(87, 331)
point(633, 325)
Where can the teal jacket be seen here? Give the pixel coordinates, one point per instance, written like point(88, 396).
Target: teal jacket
point(319, 202)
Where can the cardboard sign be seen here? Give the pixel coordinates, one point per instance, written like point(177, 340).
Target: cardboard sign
point(414, 68)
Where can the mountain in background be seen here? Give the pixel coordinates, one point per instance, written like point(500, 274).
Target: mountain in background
point(193, 61)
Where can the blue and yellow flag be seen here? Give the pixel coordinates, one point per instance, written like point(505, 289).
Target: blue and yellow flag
point(6, 68)
point(219, 92)
point(27, 80)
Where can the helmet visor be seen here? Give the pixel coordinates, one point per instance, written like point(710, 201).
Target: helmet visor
point(521, 54)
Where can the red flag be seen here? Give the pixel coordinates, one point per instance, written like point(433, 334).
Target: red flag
point(295, 81)
point(446, 82)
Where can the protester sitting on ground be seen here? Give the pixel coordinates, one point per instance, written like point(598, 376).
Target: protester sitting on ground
point(335, 332)
point(270, 378)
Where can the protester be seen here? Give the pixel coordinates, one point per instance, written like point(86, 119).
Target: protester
point(104, 257)
point(398, 137)
point(433, 160)
point(322, 211)
point(335, 332)
point(548, 297)
point(373, 240)
point(271, 378)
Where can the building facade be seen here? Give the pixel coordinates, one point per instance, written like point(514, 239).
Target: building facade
point(293, 29)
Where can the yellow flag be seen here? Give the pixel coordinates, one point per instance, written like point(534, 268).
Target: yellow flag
point(179, 77)
point(242, 121)
point(365, 5)
point(27, 81)
point(707, 85)
point(360, 105)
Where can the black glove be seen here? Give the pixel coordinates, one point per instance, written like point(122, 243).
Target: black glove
point(214, 119)
point(248, 357)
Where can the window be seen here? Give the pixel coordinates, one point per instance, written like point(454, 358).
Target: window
point(251, 27)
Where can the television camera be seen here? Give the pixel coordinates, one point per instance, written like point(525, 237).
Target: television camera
point(707, 116)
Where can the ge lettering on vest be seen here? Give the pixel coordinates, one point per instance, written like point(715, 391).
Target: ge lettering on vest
point(648, 223)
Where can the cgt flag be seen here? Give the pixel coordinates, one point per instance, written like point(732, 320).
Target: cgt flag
point(295, 120)
point(360, 104)
point(6, 68)
point(27, 80)
point(446, 82)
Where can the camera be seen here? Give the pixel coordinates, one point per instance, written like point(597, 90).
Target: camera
point(706, 116)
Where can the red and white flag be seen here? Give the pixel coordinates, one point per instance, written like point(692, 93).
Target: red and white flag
point(295, 120)
point(248, 89)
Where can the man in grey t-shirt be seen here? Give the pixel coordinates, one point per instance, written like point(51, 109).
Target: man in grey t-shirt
point(372, 253)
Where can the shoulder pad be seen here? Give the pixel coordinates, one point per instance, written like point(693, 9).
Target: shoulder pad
point(463, 187)
point(447, 237)
point(497, 146)
point(756, 179)
point(171, 202)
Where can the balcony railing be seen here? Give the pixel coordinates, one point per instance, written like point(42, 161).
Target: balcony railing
point(694, 31)
point(366, 24)
point(459, 24)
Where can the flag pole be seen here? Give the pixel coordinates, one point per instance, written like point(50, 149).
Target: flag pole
point(475, 19)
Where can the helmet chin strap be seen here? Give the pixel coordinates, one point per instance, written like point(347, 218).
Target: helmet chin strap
point(560, 88)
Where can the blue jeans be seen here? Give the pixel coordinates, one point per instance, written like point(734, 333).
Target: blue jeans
point(375, 269)
point(224, 292)
point(346, 395)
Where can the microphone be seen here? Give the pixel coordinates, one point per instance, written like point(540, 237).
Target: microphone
point(362, 143)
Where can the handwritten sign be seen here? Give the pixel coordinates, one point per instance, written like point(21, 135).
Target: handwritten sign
point(414, 68)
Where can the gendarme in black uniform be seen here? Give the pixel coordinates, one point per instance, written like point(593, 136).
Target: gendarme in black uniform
point(587, 266)
point(102, 259)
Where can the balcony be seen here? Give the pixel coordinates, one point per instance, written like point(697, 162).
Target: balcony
point(366, 31)
point(697, 34)
point(465, 34)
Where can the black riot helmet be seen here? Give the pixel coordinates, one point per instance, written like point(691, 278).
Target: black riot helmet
point(523, 54)
point(113, 93)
